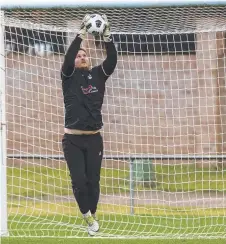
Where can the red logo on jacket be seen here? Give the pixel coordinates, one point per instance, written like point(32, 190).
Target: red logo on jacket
point(89, 89)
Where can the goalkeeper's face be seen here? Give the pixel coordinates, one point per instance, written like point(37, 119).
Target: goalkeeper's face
point(81, 60)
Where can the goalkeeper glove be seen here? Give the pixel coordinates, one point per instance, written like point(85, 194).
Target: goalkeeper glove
point(107, 32)
point(82, 31)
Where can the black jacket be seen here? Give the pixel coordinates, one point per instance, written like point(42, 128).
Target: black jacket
point(83, 90)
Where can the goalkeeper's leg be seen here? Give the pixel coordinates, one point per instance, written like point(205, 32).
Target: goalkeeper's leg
point(94, 157)
point(74, 155)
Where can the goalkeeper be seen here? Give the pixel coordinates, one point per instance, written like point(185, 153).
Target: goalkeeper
point(83, 91)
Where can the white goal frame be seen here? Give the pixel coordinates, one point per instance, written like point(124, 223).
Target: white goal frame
point(108, 3)
point(3, 155)
point(67, 3)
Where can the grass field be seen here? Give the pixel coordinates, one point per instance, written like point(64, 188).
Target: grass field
point(41, 181)
point(43, 219)
point(31, 213)
point(175, 223)
point(107, 241)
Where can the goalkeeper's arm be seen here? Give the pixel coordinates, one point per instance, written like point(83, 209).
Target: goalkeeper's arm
point(68, 66)
point(110, 62)
point(69, 59)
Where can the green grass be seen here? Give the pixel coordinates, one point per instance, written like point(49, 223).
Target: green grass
point(188, 177)
point(105, 241)
point(116, 225)
point(43, 181)
point(34, 218)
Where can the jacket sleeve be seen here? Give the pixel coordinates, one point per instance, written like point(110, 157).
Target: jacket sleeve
point(109, 64)
point(68, 66)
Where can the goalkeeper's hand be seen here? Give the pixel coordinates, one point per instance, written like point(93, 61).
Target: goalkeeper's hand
point(82, 31)
point(107, 32)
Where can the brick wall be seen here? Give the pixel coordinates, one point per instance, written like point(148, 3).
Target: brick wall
point(154, 104)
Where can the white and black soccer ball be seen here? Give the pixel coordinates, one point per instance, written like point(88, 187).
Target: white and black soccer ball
point(95, 25)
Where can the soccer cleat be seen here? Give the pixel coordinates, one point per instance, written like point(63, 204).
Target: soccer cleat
point(93, 225)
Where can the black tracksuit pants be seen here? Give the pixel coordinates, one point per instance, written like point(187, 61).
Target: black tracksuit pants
point(83, 154)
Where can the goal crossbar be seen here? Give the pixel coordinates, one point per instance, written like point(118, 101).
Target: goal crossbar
point(107, 4)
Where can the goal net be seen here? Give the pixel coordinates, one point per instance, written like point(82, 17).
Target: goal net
point(163, 173)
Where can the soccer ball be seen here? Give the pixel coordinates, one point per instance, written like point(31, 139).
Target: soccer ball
point(95, 25)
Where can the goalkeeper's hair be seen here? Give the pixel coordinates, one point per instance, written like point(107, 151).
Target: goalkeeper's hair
point(83, 49)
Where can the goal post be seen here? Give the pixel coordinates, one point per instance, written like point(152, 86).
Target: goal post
point(163, 172)
point(3, 181)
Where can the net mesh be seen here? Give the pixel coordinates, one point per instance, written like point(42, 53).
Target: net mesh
point(129, 20)
point(163, 173)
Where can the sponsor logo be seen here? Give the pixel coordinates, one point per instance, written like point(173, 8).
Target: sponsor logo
point(89, 89)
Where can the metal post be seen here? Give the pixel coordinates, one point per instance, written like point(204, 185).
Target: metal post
point(3, 185)
point(131, 187)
